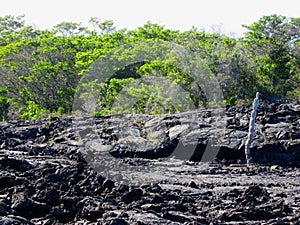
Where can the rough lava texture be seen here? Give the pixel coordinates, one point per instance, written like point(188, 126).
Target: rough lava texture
point(48, 177)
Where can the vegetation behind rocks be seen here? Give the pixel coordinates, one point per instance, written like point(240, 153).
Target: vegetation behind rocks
point(40, 69)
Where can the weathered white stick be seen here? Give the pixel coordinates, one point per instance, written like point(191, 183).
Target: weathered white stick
point(251, 129)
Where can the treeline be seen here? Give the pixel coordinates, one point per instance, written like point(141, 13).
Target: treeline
point(40, 69)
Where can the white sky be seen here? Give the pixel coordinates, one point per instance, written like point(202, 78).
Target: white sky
point(173, 14)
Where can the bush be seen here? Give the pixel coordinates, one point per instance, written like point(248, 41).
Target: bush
point(4, 104)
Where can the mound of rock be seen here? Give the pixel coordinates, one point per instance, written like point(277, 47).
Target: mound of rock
point(49, 174)
point(203, 135)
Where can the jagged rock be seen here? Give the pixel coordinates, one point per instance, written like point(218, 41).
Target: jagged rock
point(133, 195)
point(188, 135)
point(177, 217)
point(28, 208)
point(16, 164)
point(91, 209)
point(50, 175)
point(4, 208)
point(108, 184)
point(117, 222)
point(8, 220)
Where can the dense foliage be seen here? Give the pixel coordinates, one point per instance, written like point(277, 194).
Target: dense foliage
point(40, 69)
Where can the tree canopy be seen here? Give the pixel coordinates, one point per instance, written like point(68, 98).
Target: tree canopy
point(40, 70)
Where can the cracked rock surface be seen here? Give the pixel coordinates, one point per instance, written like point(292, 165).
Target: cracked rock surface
point(186, 168)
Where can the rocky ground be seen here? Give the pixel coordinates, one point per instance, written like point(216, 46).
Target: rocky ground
point(187, 168)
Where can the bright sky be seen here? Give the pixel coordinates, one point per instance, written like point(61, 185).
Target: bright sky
point(173, 14)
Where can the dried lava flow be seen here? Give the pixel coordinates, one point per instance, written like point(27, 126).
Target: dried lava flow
point(45, 179)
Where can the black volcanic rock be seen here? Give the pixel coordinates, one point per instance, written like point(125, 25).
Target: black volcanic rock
point(186, 168)
point(186, 136)
point(133, 195)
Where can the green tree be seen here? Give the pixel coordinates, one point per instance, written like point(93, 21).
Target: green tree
point(70, 29)
point(4, 103)
point(9, 27)
point(40, 69)
point(101, 28)
point(270, 43)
